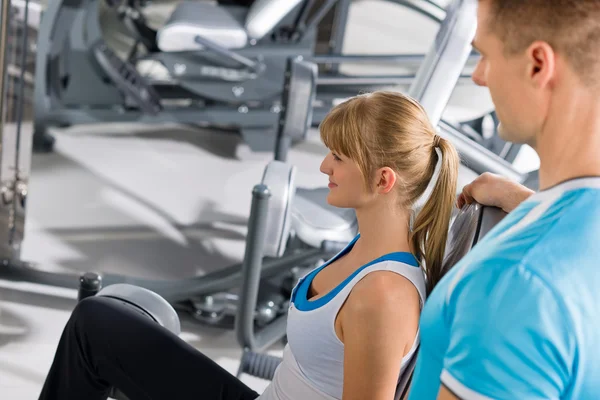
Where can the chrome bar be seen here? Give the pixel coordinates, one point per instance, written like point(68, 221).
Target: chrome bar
point(445, 62)
point(478, 158)
point(416, 59)
point(375, 80)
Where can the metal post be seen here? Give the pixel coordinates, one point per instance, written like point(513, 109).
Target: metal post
point(6, 176)
point(21, 174)
point(251, 270)
point(336, 42)
point(444, 64)
point(297, 105)
point(316, 18)
point(4, 14)
point(282, 141)
point(441, 71)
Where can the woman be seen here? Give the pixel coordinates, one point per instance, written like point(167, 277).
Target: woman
point(352, 323)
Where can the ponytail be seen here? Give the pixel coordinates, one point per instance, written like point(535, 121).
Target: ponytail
point(390, 129)
point(430, 229)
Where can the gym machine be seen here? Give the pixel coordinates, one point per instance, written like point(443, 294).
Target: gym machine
point(290, 229)
point(224, 65)
point(210, 298)
point(302, 229)
point(432, 87)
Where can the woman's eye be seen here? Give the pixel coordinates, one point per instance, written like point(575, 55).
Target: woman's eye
point(335, 157)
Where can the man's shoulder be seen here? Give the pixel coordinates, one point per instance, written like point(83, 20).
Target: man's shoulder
point(546, 245)
point(562, 244)
point(573, 211)
point(554, 264)
point(558, 234)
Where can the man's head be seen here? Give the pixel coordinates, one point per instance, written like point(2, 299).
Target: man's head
point(533, 51)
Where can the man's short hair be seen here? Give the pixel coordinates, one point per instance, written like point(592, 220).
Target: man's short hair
point(571, 27)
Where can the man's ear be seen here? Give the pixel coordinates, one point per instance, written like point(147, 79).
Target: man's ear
point(385, 180)
point(541, 67)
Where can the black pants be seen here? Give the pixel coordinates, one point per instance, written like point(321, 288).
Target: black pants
point(107, 344)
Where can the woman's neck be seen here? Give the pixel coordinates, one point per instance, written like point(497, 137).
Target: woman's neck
point(383, 229)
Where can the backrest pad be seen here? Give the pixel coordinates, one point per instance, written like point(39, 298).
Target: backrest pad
point(264, 15)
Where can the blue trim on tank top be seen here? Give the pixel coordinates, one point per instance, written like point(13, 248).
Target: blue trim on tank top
point(300, 293)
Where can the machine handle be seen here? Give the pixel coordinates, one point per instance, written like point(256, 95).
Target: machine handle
point(90, 284)
point(222, 51)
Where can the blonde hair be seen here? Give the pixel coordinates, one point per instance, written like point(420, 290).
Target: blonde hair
point(389, 129)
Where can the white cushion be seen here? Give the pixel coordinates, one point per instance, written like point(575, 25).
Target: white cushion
point(314, 220)
point(264, 15)
point(196, 18)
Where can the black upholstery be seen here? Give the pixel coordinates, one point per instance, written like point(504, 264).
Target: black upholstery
point(471, 224)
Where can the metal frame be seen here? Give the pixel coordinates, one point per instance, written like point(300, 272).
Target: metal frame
point(14, 172)
point(251, 105)
point(183, 294)
point(428, 88)
point(336, 41)
point(246, 333)
point(180, 292)
point(437, 78)
point(297, 105)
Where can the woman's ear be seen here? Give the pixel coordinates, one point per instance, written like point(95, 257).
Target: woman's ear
point(385, 180)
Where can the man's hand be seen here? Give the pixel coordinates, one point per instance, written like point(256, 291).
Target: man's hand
point(494, 190)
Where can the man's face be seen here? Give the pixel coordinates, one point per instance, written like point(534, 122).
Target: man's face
point(506, 76)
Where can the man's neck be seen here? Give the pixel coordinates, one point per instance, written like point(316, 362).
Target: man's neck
point(569, 144)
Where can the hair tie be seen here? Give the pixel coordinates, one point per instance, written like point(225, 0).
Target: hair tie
point(436, 140)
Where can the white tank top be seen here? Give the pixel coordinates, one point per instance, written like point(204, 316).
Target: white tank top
point(313, 360)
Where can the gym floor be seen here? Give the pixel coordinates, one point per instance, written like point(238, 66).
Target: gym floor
point(163, 202)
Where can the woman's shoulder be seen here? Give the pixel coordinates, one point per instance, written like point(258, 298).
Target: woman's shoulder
point(382, 292)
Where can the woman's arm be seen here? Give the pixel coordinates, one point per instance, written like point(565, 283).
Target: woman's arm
point(379, 322)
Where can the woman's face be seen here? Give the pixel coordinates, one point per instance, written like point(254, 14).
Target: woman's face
point(346, 183)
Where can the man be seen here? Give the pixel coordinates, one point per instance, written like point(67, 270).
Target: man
point(519, 316)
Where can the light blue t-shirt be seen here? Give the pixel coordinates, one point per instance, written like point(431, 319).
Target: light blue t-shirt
point(519, 316)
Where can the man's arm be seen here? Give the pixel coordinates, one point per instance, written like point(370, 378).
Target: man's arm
point(494, 190)
point(510, 337)
point(445, 394)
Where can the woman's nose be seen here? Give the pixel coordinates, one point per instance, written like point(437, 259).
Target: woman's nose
point(325, 168)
